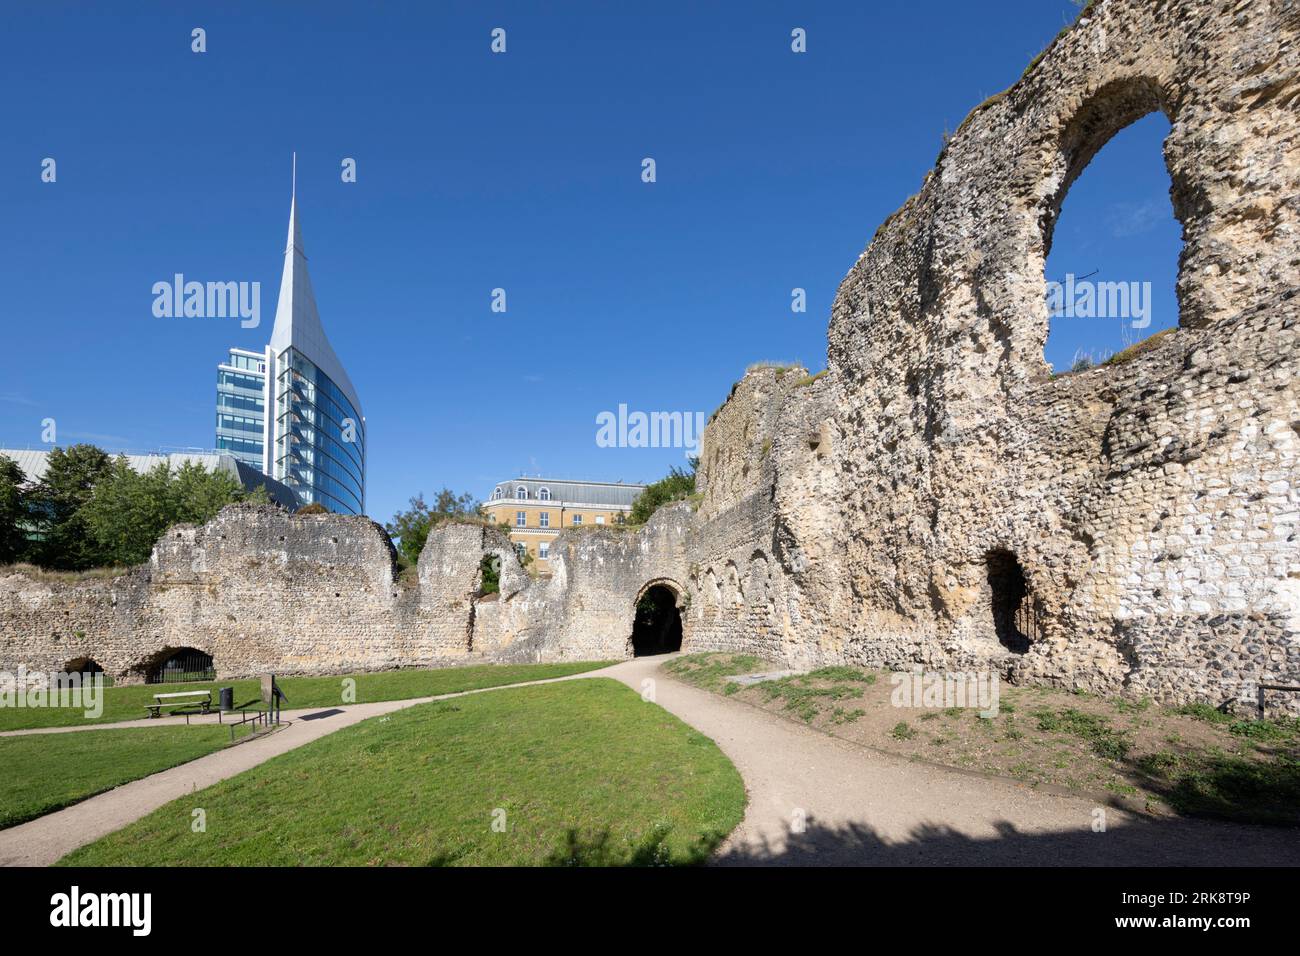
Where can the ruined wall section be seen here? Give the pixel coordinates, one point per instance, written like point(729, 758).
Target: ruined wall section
point(958, 443)
point(47, 623)
point(600, 575)
point(764, 574)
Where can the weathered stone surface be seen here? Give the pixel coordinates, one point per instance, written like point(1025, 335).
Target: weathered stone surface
point(868, 515)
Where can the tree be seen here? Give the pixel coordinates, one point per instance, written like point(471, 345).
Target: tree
point(128, 511)
point(13, 512)
point(70, 476)
point(677, 485)
point(198, 494)
point(411, 527)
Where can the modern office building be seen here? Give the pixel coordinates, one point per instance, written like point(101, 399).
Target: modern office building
point(291, 410)
point(537, 509)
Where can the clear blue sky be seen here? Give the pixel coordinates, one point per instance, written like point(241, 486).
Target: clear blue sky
point(478, 171)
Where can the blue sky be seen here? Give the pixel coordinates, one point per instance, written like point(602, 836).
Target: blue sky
point(478, 171)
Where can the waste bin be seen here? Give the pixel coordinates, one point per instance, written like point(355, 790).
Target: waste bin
point(226, 696)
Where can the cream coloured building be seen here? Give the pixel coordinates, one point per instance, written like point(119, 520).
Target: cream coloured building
point(537, 509)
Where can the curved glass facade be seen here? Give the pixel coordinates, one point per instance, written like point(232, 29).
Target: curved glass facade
point(320, 441)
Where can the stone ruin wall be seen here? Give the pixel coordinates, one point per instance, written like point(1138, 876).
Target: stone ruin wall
point(263, 590)
point(1150, 505)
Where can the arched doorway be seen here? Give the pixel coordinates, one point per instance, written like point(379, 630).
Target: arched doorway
point(657, 624)
point(1015, 612)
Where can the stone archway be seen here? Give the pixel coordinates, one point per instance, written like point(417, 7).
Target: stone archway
point(176, 665)
point(657, 619)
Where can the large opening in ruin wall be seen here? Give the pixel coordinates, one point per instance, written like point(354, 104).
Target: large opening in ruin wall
point(180, 665)
point(657, 624)
point(1015, 611)
point(1112, 241)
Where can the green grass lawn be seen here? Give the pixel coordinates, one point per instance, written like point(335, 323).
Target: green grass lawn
point(128, 703)
point(580, 773)
point(45, 772)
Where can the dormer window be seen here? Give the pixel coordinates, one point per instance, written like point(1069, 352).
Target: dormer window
point(498, 494)
point(544, 494)
point(521, 493)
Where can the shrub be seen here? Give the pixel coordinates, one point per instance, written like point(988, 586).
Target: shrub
point(678, 485)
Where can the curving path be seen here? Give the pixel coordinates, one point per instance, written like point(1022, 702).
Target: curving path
point(813, 799)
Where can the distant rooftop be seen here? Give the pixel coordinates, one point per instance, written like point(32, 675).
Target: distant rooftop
point(615, 494)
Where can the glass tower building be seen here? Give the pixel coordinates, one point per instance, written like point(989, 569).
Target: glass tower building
point(291, 410)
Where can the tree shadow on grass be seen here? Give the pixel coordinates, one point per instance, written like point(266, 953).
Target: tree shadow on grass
point(1127, 841)
point(652, 849)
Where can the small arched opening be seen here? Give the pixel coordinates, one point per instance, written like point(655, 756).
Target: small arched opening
point(82, 665)
point(657, 623)
point(1015, 611)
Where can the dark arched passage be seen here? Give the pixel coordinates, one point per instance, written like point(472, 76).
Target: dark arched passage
point(657, 626)
point(179, 665)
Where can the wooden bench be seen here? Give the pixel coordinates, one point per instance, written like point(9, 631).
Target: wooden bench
point(186, 698)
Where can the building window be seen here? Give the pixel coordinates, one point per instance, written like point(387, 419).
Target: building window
point(498, 493)
point(544, 519)
point(600, 519)
point(521, 493)
point(544, 494)
point(620, 518)
point(521, 519)
point(543, 550)
point(577, 519)
point(521, 550)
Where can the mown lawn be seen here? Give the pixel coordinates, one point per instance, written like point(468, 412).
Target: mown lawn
point(579, 773)
point(46, 772)
point(128, 703)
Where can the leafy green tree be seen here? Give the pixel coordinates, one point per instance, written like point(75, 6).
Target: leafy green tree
point(129, 511)
point(198, 494)
point(55, 504)
point(410, 528)
point(677, 485)
point(13, 512)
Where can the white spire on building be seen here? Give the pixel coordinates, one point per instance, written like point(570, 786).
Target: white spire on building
point(297, 323)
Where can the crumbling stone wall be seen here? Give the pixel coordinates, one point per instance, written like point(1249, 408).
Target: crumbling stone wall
point(935, 497)
point(1150, 504)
